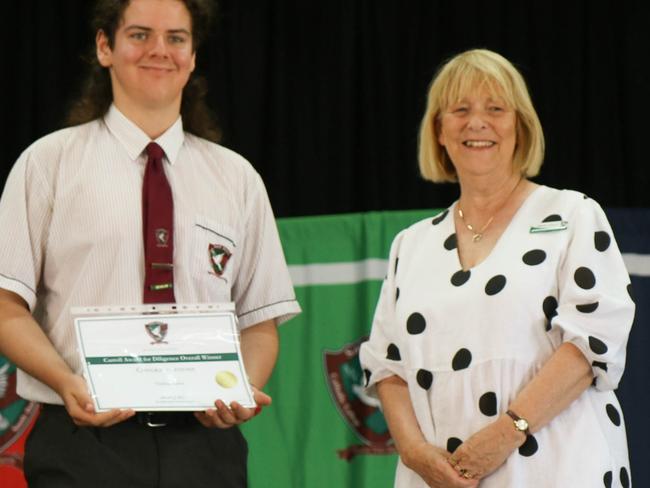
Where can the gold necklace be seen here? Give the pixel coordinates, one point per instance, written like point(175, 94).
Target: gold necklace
point(477, 236)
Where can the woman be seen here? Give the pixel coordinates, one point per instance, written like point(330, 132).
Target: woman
point(501, 328)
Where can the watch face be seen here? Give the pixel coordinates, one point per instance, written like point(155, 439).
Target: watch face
point(521, 424)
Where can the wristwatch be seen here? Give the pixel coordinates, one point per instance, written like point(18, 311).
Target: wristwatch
point(520, 424)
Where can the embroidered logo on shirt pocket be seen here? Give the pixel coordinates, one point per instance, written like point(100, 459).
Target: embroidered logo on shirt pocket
point(219, 256)
point(216, 251)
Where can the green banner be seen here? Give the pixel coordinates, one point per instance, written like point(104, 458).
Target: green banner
point(321, 430)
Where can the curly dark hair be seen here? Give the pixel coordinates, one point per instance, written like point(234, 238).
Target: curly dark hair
point(96, 92)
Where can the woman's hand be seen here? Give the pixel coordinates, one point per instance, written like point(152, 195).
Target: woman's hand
point(432, 464)
point(487, 449)
point(417, 454)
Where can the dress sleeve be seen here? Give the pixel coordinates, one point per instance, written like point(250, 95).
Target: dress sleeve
point(595, 309)
point(379, 356)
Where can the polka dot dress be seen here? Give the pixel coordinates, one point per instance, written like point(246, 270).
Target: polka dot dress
point(467, 341)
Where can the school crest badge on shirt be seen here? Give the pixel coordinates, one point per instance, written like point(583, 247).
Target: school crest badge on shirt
point(219, 257)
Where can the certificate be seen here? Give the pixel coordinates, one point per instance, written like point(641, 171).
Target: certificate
point(163, 361)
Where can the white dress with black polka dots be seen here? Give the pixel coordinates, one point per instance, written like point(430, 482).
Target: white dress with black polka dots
point(466, 342)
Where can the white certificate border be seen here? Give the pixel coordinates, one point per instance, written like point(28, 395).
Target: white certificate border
point(94, 314)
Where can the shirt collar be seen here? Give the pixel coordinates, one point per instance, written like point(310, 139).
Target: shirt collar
point(135, 140)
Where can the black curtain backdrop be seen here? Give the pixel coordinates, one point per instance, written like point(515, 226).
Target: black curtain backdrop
point(325, 97)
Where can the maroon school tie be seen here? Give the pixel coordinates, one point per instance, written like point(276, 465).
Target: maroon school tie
point(158, 230)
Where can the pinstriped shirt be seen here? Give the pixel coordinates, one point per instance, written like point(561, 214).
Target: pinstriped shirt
point(71, 221)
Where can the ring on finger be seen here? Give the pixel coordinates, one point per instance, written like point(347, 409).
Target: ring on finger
point(466, 474)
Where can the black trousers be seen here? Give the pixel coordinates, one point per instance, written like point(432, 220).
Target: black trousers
point(59, 454)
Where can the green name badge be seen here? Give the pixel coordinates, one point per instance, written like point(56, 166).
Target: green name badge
point(553, 226)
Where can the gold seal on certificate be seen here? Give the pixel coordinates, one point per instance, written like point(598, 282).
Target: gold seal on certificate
point(226, 379)
point(182, 360)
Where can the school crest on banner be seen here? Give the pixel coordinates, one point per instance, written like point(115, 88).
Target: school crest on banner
point(345, 381)
point(16, 414)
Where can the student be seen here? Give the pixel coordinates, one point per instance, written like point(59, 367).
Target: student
point(72, 222)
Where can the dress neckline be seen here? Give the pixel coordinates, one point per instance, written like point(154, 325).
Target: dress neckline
point(502, 238)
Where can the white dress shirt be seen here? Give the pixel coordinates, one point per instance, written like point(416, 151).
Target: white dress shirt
point(71, 221)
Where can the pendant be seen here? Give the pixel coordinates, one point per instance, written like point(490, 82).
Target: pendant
point(477, 237)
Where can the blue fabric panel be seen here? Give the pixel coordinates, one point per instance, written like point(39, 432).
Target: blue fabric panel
point(632, 230)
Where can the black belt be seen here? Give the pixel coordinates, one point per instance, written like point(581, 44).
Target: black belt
point(164, 419)
point(148, 419)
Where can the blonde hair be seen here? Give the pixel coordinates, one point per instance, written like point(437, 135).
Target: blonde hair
point(462, 74)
